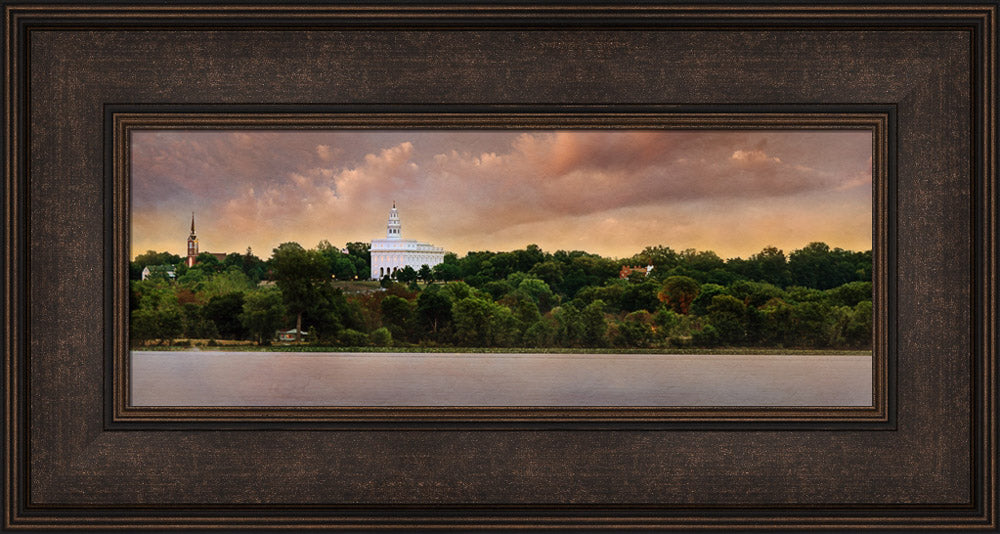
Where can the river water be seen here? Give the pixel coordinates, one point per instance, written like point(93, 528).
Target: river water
point(219, 378)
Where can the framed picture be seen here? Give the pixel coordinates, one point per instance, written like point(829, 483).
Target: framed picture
point(342, 334)
point(580, 339)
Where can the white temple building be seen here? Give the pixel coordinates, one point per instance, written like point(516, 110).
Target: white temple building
point(394, 253)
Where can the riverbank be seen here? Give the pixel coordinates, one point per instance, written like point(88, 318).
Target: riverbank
point(501, 350)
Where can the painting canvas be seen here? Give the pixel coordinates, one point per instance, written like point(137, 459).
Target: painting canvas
point(594, 267)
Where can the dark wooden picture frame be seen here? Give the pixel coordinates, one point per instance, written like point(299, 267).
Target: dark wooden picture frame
point(76, 459)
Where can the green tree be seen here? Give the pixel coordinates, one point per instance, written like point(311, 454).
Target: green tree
point(723, 277)
point(474, 267)
point(755, 294)
point(775, 329)
point(353, 338)
point(703, 261)
point(397, 316)
point(406, 274)
point(232, 280)
point(664, 322)
point(171, 324)
point(640, 296)
point(456, 291)
point(569, 326)
point(849, 294)
point(497, 288)
point(728, 315)
point(635, 331)
point(157, 313)
point(505, 328)
point(449, 269)
point(298, 273)
point(550, 272)
point(193, 278)
point(330, 313)
point(341, 265)
point(859, 329)
point(809, 324)
point(540, 334)
point(595, 327)
point(584, 270)
point(819, 267)
point(362, 256)
point(143, 326)
point(522, 306)
point(804, 294)
point(611, 294)
point(479, 322)
point(254, 267)
point(224, 311)
point(425, 273)
point(381, 337)
point(540, 292)
point(446, 272)
point(193, 319)
point(342, 268)
point(679, 292)
point(706, 336)
point(434, 310)
point(208, 263)
point(699, 306)
point(525, 259)
point(472, 321)
point(263, 313)
point(772, 266)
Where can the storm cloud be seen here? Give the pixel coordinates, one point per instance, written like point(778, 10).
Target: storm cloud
point(609, 192)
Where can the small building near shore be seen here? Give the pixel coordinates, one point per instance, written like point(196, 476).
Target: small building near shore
point(288, 335)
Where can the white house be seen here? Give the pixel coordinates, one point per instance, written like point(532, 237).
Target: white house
point(394, 253)
point(168, 270)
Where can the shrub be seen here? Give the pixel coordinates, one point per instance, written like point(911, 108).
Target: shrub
point(708, 336)
point(381, 337)
point(353, 338)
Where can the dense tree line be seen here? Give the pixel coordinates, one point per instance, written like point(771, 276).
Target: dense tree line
point(815, 297)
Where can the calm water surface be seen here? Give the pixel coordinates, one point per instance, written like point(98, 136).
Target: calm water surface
point(218, 378)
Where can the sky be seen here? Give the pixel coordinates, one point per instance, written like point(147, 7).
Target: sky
point(610, 192)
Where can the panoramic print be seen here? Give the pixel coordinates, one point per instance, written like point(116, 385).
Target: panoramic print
point(501, 268)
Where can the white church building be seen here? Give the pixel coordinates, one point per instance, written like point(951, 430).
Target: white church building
point(394, 253)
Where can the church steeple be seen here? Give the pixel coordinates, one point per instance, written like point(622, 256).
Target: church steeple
point(192, 243)
point(393, 229)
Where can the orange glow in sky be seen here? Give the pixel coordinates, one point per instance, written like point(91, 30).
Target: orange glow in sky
point(606, 192)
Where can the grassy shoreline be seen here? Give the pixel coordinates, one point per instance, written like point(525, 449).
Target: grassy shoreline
point(513, 350)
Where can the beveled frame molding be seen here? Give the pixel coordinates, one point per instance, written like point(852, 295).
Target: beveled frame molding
point(878, 120)
point(78, 474)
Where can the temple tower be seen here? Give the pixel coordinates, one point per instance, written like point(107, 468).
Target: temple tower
point(393, 228)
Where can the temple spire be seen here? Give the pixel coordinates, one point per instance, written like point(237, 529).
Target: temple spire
point(192, 245)
point(393, 228)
